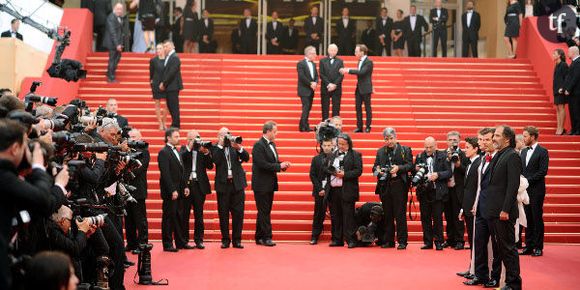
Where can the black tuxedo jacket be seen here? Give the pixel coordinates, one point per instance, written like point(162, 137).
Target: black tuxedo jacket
point(370, 39)
point(304, 78)
point(291, 41)
point(441, 23)
point(100, 9)
point(278, 33)
point(384, 29)
point(114, 32)
point(310, 28)
point(122, 121)
point(206, 30)
point(265, 166)
point(319, 172)
point(329, 73)
point(248, 35)
point(459, 175)
point(502, 191)
point(572, 82)
point(352, 171)
point(140, 180)
point(202, 164)
point(364, 77)
point(443, 169)
point(171, 173)
point(345, 34)
point(536, 170)
point(401, 156)
point(221, 168)
point(420, 27)
point(7, 34)
point(470, 187)
point(172, 74)
point(471, 32)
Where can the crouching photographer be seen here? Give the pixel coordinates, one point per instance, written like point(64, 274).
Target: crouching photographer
point(371, 224)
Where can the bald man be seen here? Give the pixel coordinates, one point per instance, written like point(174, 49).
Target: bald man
point(112, 107)
point(432, 191)
point(331, 82)
point(571, 89)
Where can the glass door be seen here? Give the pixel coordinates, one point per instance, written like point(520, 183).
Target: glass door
point(358, 16)
point(227, 15)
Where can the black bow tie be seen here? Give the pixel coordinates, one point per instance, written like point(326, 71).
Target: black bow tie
point(530, 148)
point(271, 143)
point(468, 162)
point(341, 153)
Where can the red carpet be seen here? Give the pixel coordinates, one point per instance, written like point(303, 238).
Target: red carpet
point(300, 266)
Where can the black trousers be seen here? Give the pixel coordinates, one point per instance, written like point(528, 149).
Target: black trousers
point(309, 41)
point(432, 221)
point(394, 201)
point(173, 107)
point(116, 253)
point(170, 226)
point(207, 47)
point(504, 233)
point(534, 215)
point(264, 201)
point(195, 200)
point(386, 48)
point(342, 217)
point(231, 201)
point(100, 31)
point(574, 109)
point(306, 107)
point(319, 216)
point(440, 35)
point(336, 95)
point(455, 228)
point(483, 232)
point(136, 226)
point(469, 44)
point(114, 58)
point(414, 47)
point(469, 223)
point(359, 100)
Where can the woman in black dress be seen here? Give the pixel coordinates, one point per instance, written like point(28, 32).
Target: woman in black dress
point(190, 27)
point(513, 19)
point(156, 68)
point(397, 34)
point(560, 71)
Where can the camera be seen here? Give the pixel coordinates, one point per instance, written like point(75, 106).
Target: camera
point(229, 139)
point(325, 131)
point(138, 144)
point(420, 175)
point(385, 171)
point(97, 220)
point(197, 143)
point(454, 151)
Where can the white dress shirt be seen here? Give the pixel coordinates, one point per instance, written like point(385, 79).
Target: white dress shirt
point(345, 21)
point(530, 151)
point(248, 21)
point(413, 19)
point(175, 152)
point(469, 15)
point(310, 67)
point(271, 147)
point(313, 20)
point(168, 56)
point(362, 59)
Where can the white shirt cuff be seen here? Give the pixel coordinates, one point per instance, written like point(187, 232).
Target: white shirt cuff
point(38, 166)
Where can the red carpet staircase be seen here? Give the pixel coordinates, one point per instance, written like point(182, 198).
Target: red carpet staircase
point(418, 97)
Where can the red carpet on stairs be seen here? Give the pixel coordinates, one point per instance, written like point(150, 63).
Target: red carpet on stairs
point(300, 266)
point(418, 97)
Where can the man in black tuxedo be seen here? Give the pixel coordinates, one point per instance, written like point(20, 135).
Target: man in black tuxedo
point(172, 185)
point(452, 206)
point(571, 89)
point(274, 34)
point(230, 182)
point(392, 186)
point(369, 38)
point(438, 18)
point(364, 86)
point(13, 32)
point(415, 26)
point(248, 30)
point(320, 178)
point(432, 191)
point(113, 39)
point(112, 108)
point(346, 31)
point(177, 29)
point(290, 39)
point(344, 192)
point(331, 82)
point(384, 25)
point(471, 22)
point(196, 162)
point(206, 42)
point(307, 82)
point(535, 161)
point(100, 9)
point(314, 29)
point(265, 167)
point(172, 83)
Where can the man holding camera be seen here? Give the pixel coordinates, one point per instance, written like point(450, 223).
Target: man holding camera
point(452, 206)
point(392, 166)
point(370, 220)
point(432, 172)
point(319, 176)
point(112, 108)
point(196, 161)
point(230, 183)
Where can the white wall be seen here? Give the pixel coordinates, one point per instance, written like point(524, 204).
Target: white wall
point(47, 14)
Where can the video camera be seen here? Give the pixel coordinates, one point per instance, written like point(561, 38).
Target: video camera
point(326, 131)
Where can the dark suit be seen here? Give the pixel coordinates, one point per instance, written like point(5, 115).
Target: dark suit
point(393, 190)
point(206, 30)
point(176, 34)
point(439, 30)
point(199, 187)
point(346, 36)
point(310, 28)
point(535, 172)
point(100, 10)
point(329, 74)
point(248, 37)
point(171, 180)
point(136, 220)
point(113, 37)
point(414, 37)
point(364, 89)
point(383, 30)
point(342, 199)
point(320, 181)
point(278, 34)
point(122, 121)
point(369, 38)
point(230, 190)
point(8, 34)
point(291, 40)
point(469, 193)
point(173, 84)
point(305, 92)
point(265, 166)
point(572, 85)
point(470, 33)
point(451, 207)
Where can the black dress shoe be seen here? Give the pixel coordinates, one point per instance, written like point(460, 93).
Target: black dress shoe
point(128, 263)
point(314, 241)
point(351, 245)
point(476, 281)
point(367, 129)
point(526, 251)
point(336, 244)
point(237, 245)
point(269, 243)
point(388, 245)
point(225, 245)
point(427, 247)
point(445, 245)
point(186, 247)
point(402, 247)
point(459, 246)
point(200, 245)
point(259, 242)
point(469, 276)
point(537, 253)
point(358, 130)
point(491, 284)
point(172, 250)
point(462, 274)
point(438, 247)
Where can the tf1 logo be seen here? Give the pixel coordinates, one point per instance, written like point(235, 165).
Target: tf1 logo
point(561, 25)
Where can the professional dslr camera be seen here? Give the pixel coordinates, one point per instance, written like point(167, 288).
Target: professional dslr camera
point(198, 143)
point(229, 139)
point(384, 171)
point(420, 176)
point(454, 153)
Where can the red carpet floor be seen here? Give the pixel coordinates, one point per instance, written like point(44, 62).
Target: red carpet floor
point(301, 266)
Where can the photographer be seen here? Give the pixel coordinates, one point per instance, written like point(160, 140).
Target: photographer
point(319, 176)
point(432, 172)
point(392, 166)
point(371, 224)
point(112, 108)
point(456, 157)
